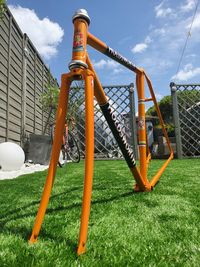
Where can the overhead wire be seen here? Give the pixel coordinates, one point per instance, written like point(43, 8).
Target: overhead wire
point(187, 37)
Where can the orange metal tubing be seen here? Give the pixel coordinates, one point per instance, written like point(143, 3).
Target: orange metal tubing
point(148, 158)
point(89, 160)
point(148, 99)
point(100, 46)
point(160, 172)
point(142, 127)
point(79, 42)
point(158, 112)
point(96, 43)
point(140, 185)
point(140, 75)
point(81, 68)
point(102, 99)
point(98, 90)
point(157, 176)
point(148, 151)
point(59, 129)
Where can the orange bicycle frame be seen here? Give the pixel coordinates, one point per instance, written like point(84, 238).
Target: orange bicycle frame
point(82, 69)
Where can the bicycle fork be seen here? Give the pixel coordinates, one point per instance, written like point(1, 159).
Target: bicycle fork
point(66, 80)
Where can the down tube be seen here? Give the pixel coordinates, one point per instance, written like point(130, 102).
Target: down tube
point(111, 119)
point(122, 143)
point(115, 128)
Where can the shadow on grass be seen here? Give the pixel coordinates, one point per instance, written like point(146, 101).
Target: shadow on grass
point(33, 203)
point(37, 202)
point(24, 232)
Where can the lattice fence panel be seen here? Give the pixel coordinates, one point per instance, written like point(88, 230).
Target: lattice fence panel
point(188, 97)
point(105, 144)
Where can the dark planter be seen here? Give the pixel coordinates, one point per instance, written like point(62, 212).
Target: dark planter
point(39, 149)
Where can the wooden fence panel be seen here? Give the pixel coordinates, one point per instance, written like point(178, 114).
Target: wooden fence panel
point(23, 78)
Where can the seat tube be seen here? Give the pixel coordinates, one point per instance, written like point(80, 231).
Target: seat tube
point(141, 126)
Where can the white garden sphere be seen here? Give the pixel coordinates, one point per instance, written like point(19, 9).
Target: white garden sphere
point(11, 157)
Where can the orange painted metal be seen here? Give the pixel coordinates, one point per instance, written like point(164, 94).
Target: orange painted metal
point(148, 99)
point(140, 186)
point(155, 179)
point(159, 113)
point(100, 46)
point(144, 159)
point(96, 43)
point(148, 151)
point(161, 170)
point(80, 40)
point(82, 69)
point(148, 159)
point(86, 75)
point(98, 90)
point(102, 100)
point(142, 127)
point(89, 159)
point(59, 129)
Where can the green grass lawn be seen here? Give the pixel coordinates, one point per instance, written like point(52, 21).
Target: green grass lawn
point(161, 228)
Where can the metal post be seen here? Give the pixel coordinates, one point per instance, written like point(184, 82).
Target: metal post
point(35, 93)
point(176, 121)
point(8, 80)
point(133, 125)
point(24, 67)
point(42, 93)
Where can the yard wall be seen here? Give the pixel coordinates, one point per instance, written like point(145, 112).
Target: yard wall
point(23, 78)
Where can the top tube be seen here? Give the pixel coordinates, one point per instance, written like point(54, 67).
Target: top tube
point(111, 53)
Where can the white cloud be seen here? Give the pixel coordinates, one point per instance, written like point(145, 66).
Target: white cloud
point(187, 73)
point(196, 23)
point(161, 11)
point(158, 96)
point(124, 40)
point(118, 70)
point(108, 64)
point(188, 6)
point(141, 47)
point(159, 32)
point(168, 40)
point(155, 64)
point(44, 33)
point(148, 40)
point(190, 56)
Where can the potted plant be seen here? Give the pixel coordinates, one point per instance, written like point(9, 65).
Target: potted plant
point(39, 148)
point(40, 145)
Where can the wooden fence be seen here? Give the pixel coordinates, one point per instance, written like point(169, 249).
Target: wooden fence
point(23, 78)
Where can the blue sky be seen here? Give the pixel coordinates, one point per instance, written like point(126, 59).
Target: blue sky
point(149, 33)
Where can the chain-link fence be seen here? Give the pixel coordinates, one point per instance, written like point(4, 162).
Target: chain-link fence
point(186, 112)
point(121, 98)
